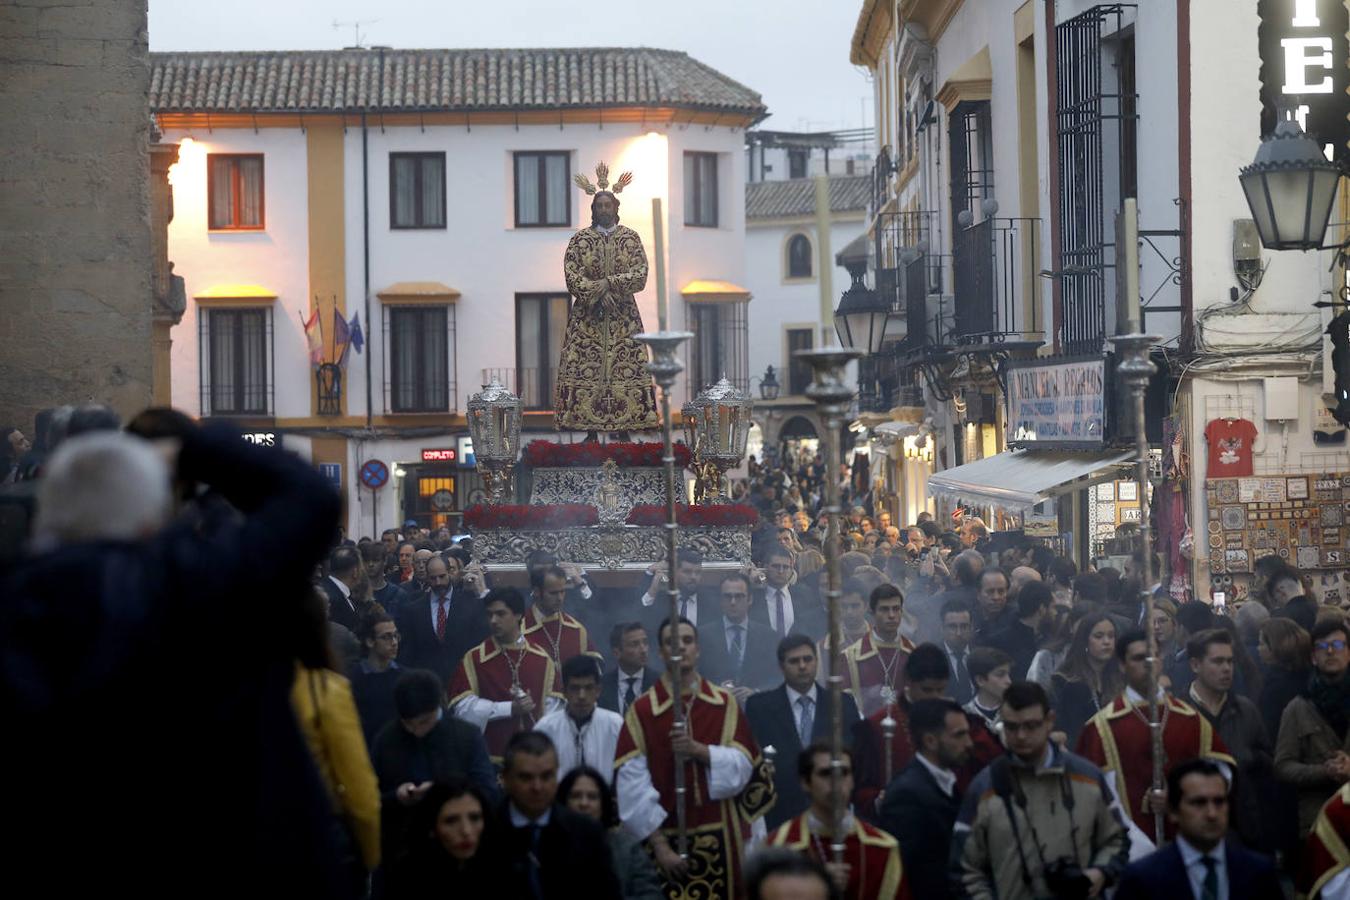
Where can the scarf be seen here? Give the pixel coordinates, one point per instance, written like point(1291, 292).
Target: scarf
point(1332, 700)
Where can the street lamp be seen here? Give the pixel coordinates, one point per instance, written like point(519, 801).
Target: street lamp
point(768, 385)
point(494, 422)
point(1291, 188)
point(862, 315)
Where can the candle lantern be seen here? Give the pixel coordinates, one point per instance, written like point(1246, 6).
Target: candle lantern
point(721, 427)
point(494, 423)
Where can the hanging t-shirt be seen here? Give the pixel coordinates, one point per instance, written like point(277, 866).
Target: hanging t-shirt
point(1230, 447)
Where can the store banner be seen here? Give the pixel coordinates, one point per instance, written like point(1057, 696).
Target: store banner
point(1304, 50)
point(1057, 404)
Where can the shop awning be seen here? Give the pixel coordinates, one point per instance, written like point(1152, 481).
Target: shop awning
point(1019, 479)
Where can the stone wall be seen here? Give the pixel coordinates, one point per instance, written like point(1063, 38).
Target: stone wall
point(75, 250)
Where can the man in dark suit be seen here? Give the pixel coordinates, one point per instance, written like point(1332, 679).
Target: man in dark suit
point(631, 676)
point(922, 802)
point(790, 718)
point(344, 574)
point(439, 627)
point(733, 648)
point(552, 852)
point(786, 608)
point(696, 603)
point(1200, 863)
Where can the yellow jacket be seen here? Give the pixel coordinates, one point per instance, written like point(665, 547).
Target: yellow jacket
point(327, 715)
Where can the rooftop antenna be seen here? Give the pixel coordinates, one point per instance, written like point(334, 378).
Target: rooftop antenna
point(355, 25)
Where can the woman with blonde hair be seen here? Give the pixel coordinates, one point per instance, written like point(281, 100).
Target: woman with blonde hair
point(810, 563)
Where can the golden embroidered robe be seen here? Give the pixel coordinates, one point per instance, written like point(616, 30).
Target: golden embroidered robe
point(602, 383)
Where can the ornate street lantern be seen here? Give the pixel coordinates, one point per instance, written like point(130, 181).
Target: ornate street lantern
point(1291, 189)
point(862, 315)
point(768, 385)
point(494, 422)
point(721, 423)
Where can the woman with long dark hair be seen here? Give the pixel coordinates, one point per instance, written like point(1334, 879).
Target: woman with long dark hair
point(453, 848)
point(1089, 677)
point(1286, 652)
point(585, 791)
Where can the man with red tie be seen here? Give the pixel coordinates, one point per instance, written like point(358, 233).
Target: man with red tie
point(440, 626)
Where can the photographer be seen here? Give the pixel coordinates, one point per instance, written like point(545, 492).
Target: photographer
point(1037, 822)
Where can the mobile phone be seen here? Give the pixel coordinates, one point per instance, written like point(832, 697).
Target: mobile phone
point(1220, 601)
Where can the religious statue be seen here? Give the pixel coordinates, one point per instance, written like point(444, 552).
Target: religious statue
point(603, 384)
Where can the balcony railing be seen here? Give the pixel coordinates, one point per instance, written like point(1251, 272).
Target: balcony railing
point(885, 382)
point(533, 385)
point(928, 280)
point(996, 292)
point(898, 238)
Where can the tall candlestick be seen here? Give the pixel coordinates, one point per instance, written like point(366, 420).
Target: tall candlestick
point(659, 251)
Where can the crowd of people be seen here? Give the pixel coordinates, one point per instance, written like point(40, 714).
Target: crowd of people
point(385, 716)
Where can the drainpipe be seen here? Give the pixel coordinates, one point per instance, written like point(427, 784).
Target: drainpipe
point(365, 250)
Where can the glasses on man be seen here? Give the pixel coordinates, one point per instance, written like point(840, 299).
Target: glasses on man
point(1337, 644)
point(392, 637)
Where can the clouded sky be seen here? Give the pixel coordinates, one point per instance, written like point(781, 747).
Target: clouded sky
point(794, 52)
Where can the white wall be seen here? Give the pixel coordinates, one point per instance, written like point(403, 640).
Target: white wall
point(276, 258)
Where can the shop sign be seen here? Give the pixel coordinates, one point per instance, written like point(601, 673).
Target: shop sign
point(1303, 67)
point(332, 473)
point(262, 438)
point(1057, 404)
point(465, 447)
point(439, 454)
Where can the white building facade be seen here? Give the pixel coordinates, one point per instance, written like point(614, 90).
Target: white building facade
point(437, 210)
point(1012, 133)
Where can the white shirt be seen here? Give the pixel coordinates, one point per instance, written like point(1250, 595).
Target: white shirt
point(771, 600)
point(520, 820)
point(945, 778)
point(592, 745)
point(794, 695)
point(346, 592)
point(1192, 858)
point(623, 680)
point(640, 807)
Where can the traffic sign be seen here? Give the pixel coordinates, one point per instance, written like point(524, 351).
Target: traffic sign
point(374, 474)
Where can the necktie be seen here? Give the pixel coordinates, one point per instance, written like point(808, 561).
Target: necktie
point(684, 607)
point(806, 720)
point(536, 884)
point(1210, 889)
point(737, 645)
point(440, 619)
point(631, 693)
point(782, 621)
point(962, 675)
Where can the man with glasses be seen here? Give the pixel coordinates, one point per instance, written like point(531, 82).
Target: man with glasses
point(1037, 822)
point(1311, 751)
point(1118, 738)
point(375, 674)
point(737, 652)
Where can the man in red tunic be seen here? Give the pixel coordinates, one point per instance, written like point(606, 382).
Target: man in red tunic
point(871, 869)
point(1117, 739)
point(727, 789)
point(547, 626)
point(505, 684)
point(1327, 859)
point(874, 667)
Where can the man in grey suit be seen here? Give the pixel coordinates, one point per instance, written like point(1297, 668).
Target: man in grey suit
point(791, 717)
point(734, 650)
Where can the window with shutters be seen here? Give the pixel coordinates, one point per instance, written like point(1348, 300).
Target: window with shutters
point(419, 370)
point(416, 190)
point(236, 361)
point(234, 190)
point(700, 189)
point(543, 195)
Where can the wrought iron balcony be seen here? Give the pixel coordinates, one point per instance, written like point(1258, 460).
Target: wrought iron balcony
point(532, 384)
point(898, 238)
point(885, 381)
point(996, 295)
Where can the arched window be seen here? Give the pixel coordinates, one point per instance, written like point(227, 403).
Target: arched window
point(799, 256)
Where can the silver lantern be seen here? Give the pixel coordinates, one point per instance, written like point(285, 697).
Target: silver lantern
point(494, 422)
point(721, 427)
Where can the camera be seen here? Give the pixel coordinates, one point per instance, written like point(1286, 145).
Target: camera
point(1066, 880)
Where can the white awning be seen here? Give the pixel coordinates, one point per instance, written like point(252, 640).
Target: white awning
point(897, 429)
point(1019, 479)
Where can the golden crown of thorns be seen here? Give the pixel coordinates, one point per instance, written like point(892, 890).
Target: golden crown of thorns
point(602, 181)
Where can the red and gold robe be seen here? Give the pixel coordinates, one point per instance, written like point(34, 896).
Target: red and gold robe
point(1117, 740)
point(561, 631)
point(485, 672)
point(1326, 855)
point(867, 664)
point(718, 829)
point(873, 857)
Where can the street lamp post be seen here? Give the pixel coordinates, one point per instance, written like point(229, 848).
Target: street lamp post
point(832, 395)
point(665, 365)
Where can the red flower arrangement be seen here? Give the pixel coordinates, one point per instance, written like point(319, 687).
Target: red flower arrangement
point(592, 454)
point(529, 516)
point(723, 514)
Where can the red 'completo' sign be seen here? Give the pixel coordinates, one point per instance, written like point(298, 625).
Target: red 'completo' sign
point(440, 454)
